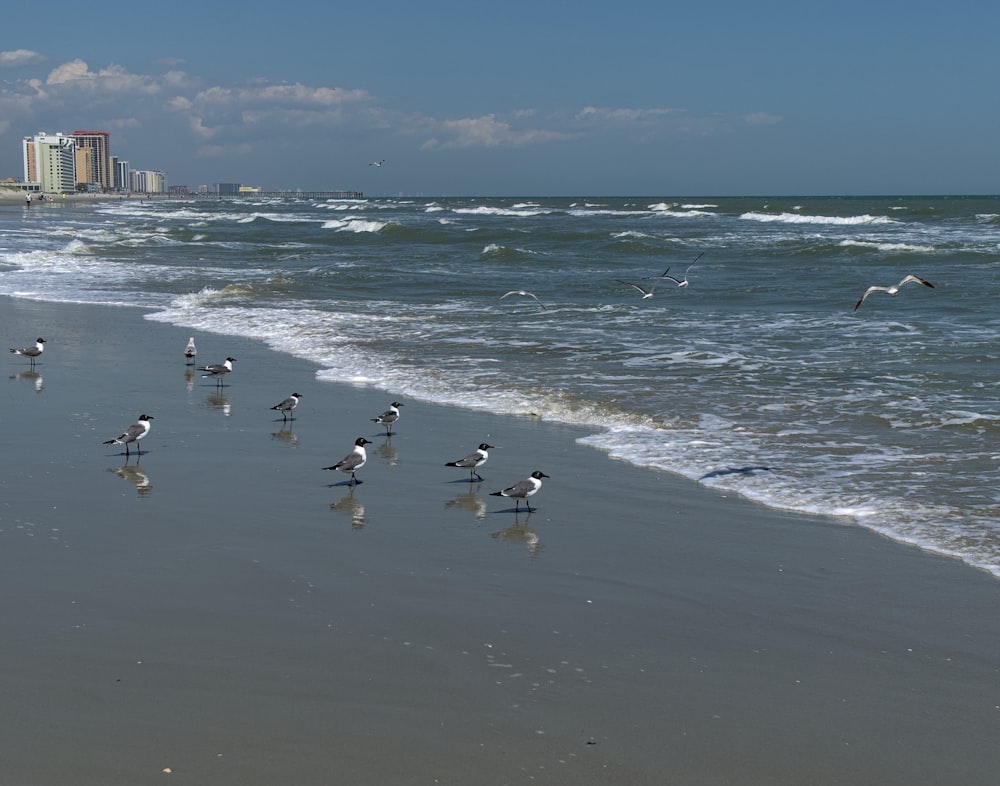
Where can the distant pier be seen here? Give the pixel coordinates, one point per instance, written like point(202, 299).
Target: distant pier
point(292, 194)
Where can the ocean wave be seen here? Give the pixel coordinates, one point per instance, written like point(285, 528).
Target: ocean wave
point(795, 218)
point(356, 225)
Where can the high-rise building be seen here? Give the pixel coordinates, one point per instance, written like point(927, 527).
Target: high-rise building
point(147, 181)
point(123, 174)
point(100, 172)
point(50, 161)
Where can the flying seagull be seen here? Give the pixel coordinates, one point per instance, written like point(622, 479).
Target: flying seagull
point(133, 433)
point(286, 406)
point(473, 461)
point(190, 351)
point(218, 370)
point(389, 417)
point(31, 352)
point(647, 292)
point(377, 163)
point(681, 282)
point(892, 290)
point(354, 460)
point(522, 490)
point(523, 293)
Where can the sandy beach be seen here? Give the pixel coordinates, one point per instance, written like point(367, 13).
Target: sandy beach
point(222, 611)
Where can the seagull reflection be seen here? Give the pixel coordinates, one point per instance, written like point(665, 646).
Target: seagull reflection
point(133, 474)
point(388, 453)
point(352, 507)
point(189, 380)
point(521, 534)
point(219, 401)
point(31, 376)
point(470, 501)
point(285, 434)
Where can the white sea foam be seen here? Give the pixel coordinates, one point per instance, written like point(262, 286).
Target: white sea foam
point(794, 218)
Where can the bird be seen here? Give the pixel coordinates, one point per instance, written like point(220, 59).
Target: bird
point(377, 163)
point(522, 490)
point(31, 353)
point(134, 433)
point(218, 370)
point(892, 290)
point(647, 292)
point(681, 282)
point(190, 351)
point(354, 460)
point(286, 406)
point(473, 461)
point(389, 417)
point(523, 293)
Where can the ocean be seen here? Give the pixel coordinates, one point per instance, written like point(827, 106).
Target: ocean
point(758, 378)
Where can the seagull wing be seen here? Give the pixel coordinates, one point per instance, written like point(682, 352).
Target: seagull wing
point(867, 293)
point(918, 279)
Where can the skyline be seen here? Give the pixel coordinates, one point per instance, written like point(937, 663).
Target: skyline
point(546, 98)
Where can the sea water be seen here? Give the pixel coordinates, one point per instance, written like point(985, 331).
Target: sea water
point(758, 378)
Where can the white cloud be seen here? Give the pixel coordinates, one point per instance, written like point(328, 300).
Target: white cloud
point(19, 57)
point(761, 119)
point(486, 131)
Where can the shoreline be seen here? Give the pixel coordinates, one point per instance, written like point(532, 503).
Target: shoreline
point(234, 613)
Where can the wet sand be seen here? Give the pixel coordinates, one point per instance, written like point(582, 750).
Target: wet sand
point(223, 611)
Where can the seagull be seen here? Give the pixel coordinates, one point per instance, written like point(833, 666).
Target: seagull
point(218, 370)
point(522, 490)
point(286, 406)
point(190, 351)
point(354, 460)
point(133, 433)
point(646, 292)
point(377, 163)
point(389, 417)
point(892, 290)
point(523, 293)
point(31, 352)
point(681, 282)
point(473, 460)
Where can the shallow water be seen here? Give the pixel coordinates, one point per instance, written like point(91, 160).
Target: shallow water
point(757, 378)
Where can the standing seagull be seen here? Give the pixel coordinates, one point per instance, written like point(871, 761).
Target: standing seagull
point(190, 351)
point(892, 290)
point(286, 406)
point(218, 370)
point(31, 352)
point(522, 490)
point(133, 433)
point(389, 417)
point(473, 461)
point(681, 282)
point(354, 460)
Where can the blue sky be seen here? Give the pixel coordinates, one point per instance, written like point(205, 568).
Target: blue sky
point(520, 98)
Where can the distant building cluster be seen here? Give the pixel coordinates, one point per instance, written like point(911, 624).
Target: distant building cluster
point(82, 161)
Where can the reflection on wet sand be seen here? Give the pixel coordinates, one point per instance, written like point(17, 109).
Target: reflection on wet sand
point(219, 401)
point(351, 506)
point(470, 501)
point(521, 534)
point(388, 453)
point(286, 435)
point(31, 376)
point(133, 474)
